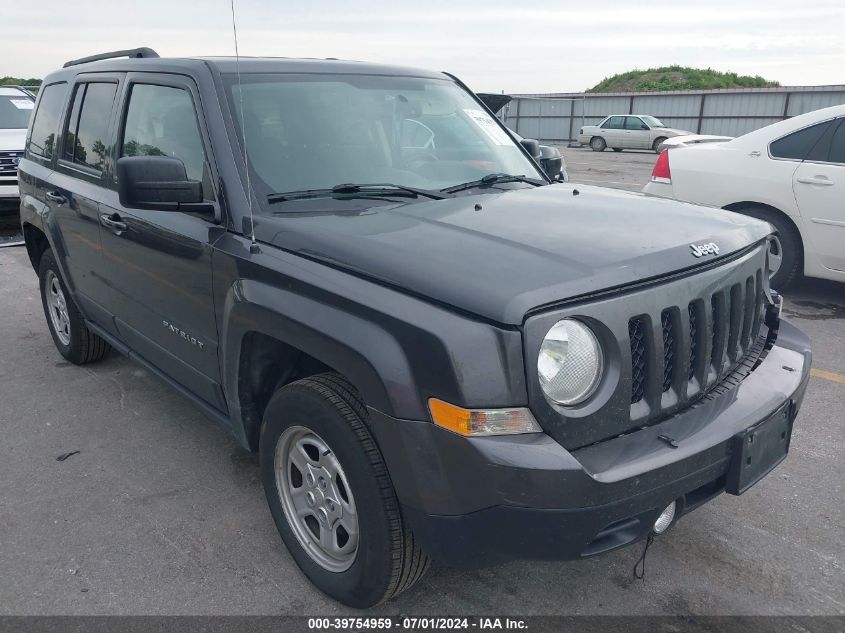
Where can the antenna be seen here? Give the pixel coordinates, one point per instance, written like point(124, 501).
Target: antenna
point(253, 247)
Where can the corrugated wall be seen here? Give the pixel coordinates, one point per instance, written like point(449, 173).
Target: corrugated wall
point(557, 118)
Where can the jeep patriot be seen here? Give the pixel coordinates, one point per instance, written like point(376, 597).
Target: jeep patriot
point(437, 351)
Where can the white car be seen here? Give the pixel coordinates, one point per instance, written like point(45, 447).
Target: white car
point(627, 131)
point(15, 109)
point(791, 174)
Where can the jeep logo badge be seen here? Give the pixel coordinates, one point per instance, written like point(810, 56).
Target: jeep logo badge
point(700, 250)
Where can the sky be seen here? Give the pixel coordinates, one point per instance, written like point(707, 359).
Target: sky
point(529, 46)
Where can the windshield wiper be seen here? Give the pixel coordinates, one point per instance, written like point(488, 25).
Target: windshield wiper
point(494, 179)
point(350, 190)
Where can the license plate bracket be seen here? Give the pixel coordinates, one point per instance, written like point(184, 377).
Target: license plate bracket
point(758, 449)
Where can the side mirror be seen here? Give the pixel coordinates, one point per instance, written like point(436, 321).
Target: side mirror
point(551, 161)
point(159, 183)
point(532, 147)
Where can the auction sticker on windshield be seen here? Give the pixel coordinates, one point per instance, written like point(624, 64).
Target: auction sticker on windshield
point(22, 104)
point(491, 129)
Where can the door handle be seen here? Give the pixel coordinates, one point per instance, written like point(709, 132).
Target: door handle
point(52, 196)
point(113, 222)
point(818, 180)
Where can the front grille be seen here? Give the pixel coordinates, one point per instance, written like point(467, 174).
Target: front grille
point(9, 162)
point(735, 316)
point(636, 334)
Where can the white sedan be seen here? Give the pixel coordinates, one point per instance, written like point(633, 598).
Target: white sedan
point(791, 174)
point(627, 131)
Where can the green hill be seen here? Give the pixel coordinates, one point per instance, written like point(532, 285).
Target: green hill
point(678, 78)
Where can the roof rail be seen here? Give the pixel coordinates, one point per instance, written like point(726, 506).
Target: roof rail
point(142, 52)
point(25, 89)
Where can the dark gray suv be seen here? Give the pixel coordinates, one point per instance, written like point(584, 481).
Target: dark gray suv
point(436, 351)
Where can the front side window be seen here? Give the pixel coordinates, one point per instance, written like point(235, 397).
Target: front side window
point(15, 110)
point(614, 123)
point(161, 121)
point(798, 145)
point(86, 138)
point(634, 123)
point(307, 132)
point(45, 125)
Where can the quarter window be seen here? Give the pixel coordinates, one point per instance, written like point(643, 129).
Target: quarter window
point(42, 140)
point(88, 125)
point(798, 145)
point(614, 123)
point(161, 121)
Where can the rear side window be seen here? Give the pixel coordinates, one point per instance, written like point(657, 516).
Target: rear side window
point(42, 140)
point(161, 121)
point(798, 145)
point(88, 125)
point(614, 123)
point(837, 145)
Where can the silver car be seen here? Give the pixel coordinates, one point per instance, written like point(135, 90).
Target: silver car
point(627, 131)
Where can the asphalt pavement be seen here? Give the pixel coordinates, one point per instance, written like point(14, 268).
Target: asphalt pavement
point(160, 512)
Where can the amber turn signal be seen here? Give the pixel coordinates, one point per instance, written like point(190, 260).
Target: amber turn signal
point(482, 421)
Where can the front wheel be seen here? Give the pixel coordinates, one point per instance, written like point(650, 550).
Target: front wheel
point(598, 144)
point(657, 146)
point(331, 496)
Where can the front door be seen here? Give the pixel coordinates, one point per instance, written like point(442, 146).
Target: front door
point(636, 135)
point(819, 188)
point(159, 262)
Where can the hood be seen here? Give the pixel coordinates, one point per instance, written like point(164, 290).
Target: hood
point(521, 249)
point(12, 140)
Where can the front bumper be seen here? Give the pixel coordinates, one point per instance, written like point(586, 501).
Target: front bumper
point(9, 199)
point(478, 501)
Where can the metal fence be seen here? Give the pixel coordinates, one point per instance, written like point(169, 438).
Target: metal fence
point(556, 118)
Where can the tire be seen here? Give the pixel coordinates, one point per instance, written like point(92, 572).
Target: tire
point(787, 240)
point(72, 337)
point(657, 143)
point(320, 422)
point(617, 149)
point(597, 144)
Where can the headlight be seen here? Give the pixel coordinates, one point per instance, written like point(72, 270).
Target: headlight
point(570, 362)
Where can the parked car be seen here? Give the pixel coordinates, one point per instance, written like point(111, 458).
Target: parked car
point(791, 174)
point(435, 353)
point(627, 131)
point(689, 140)
point(15, 108)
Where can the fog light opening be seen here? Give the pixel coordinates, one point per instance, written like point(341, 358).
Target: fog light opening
point(665, 519)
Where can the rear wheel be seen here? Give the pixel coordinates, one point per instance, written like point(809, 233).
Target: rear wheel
point(597, 144)
point(656, 146)
point(72, 337)
point(331, 496)
point(786, 253)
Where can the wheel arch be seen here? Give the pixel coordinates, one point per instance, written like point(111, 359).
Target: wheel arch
point(277, 337)
point(36, 243)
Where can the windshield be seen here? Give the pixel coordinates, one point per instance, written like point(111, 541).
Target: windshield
point(14, 111)
point(652, 122)
point(306, 132)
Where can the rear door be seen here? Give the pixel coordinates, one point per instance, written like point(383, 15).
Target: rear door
point(78, 183)
point(819, 185)
point(158, 263)
point(612, 130)
point(637, 134)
